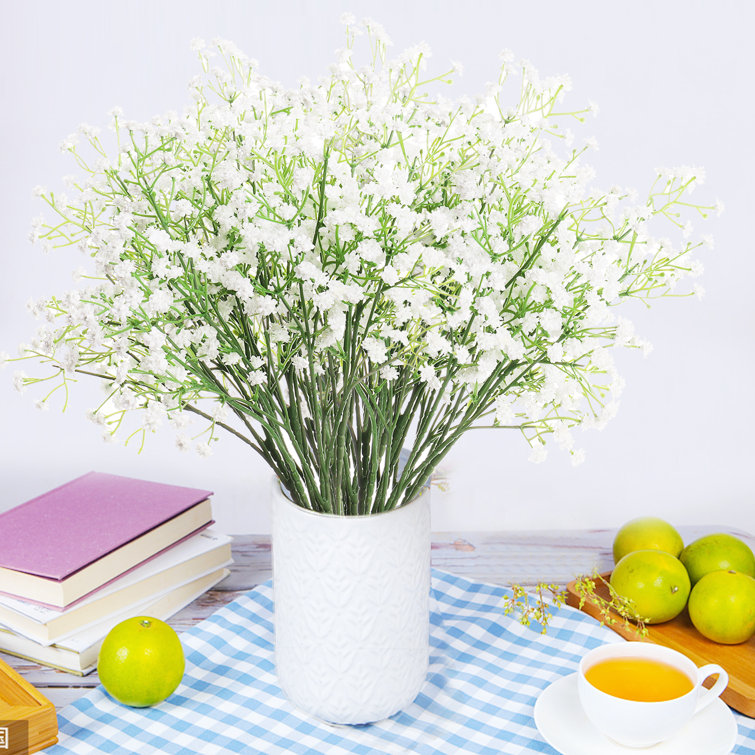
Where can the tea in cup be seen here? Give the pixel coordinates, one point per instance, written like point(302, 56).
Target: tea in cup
point(639, 694)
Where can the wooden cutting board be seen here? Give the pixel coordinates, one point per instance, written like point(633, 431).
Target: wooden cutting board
point(679, 634)
point(29, 723)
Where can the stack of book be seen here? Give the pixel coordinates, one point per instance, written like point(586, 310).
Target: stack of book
point(102, 548)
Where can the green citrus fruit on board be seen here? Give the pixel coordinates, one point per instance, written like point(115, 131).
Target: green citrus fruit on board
point(722, 606)
point(715, 553)
point(646, 533)
point(141, 661)
point(655, 582)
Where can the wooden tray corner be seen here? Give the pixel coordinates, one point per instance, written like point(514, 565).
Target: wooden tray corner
point(28, 717)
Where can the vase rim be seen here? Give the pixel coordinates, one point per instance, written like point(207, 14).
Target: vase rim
point(278, 491)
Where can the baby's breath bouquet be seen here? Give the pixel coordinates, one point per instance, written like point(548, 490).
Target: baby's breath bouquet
point(344, 269)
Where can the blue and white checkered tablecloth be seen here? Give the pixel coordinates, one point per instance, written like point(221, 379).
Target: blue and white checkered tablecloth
point(486, 672)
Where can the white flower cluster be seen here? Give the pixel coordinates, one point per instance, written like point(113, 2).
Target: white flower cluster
point(358, 234)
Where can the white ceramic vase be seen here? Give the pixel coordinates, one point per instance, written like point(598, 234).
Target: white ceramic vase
point(352, 613)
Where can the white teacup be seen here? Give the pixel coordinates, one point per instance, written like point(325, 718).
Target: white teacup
point(642, 724)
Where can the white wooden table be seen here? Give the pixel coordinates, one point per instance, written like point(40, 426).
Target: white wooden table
point(523, 557)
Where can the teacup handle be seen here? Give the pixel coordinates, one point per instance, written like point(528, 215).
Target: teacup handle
point(707, 696)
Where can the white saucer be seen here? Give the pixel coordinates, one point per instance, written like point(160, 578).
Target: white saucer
point(564, 726)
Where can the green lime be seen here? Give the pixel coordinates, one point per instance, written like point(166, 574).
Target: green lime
point(722, 606)
point(646, 533)
point(655, 582)
point(717, 552)
point(141, 661)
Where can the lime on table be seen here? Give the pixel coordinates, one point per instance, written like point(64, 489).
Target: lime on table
point(716, 552)
point(141, 661)
point(722, 606)
point(646, 533)
point(655, 582)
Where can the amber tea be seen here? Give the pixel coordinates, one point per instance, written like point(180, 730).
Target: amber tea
point(639, 679)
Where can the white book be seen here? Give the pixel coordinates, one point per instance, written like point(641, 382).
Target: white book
point(198, 555)
point(79, 653)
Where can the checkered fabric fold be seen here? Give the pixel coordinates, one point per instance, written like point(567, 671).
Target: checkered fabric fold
point(486, 672)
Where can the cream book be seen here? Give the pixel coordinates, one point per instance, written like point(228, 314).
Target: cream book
point(202, 553)
point(78, 655)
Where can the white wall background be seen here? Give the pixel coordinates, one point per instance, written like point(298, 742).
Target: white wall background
point(674, 85)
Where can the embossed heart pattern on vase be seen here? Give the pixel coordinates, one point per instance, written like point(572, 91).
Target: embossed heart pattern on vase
point(352, 608)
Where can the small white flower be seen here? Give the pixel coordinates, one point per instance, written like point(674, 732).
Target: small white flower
point(577, 457)
point(69, 144)
point(203, 449)
point(389, 373)
point(159, 302)
point(179, 421)
point(375, 349)
point(96, 417)
point(69, 359)
point(219, 413)
point(91, 132)
point(427, 375)
point(154, 415)
point(538, 454)
point(504, 411)
point(19, 381)
point(390, 275)
point(256, 377)
point(230, 359)
point(377, 31)
point(36, 229)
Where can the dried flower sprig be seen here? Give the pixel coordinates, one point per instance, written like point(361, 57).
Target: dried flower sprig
point(535, 606)
point(613, 610)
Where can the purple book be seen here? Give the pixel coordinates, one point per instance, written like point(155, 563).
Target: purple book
point(55, 536)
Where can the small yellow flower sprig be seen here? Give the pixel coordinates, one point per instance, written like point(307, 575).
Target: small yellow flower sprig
point(546, 598)
point(612, 611)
